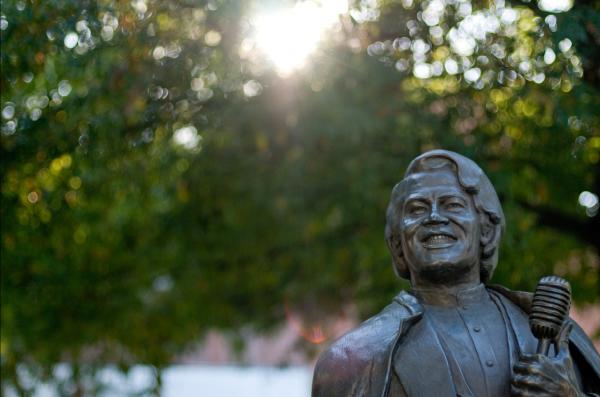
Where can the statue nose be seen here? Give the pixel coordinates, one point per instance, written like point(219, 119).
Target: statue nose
point(435, 217)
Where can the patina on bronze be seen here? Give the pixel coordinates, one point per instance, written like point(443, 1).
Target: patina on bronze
point(453, 333)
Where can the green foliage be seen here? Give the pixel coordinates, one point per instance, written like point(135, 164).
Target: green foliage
point(147, 199)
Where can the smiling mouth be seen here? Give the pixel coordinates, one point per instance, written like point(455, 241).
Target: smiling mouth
point(438, 241)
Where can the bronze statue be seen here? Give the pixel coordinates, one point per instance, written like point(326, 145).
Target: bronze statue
point(453, 333)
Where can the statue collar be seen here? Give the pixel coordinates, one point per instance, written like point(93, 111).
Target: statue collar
point(451, 298)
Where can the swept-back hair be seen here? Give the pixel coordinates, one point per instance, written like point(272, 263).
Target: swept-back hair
point(474, 182)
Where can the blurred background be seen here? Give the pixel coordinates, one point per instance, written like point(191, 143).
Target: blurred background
point(194, 192)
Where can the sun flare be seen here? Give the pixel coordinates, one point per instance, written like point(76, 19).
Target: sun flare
point(289, 36)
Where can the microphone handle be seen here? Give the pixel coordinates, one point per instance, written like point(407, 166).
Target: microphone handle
point(543, 346)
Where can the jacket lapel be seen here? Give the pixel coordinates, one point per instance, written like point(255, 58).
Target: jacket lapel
point(516, 306)
point(421, 365)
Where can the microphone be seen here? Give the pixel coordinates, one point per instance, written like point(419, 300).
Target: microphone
point(549, 311)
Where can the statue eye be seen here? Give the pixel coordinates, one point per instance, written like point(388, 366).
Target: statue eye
point(454, 205)
point(416, 209)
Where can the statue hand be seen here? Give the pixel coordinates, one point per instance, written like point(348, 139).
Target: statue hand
point(539, 375)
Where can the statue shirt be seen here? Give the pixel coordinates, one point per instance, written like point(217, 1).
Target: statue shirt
point(473, 335)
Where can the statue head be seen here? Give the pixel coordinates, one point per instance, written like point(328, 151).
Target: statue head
point(444, 218)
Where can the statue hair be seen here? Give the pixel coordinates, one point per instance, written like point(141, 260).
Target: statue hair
point(474, 182)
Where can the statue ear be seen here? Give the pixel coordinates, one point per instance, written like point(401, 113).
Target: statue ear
point(395, 246)
point(488, 230)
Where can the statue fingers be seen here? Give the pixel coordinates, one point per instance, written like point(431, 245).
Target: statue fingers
point(561, 344)
point(531, 385)
point(522, 387)
point(529, 365)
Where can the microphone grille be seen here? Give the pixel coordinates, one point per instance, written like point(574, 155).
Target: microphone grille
point(550, 308)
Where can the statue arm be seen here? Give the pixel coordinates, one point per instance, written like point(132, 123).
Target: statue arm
point(325, 382)
point(337, 375)
point(586, 359)
point(356, 364)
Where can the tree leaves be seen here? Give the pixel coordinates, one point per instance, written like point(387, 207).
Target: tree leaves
point(157, 183)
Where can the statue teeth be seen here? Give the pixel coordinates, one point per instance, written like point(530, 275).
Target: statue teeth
point(438, 238)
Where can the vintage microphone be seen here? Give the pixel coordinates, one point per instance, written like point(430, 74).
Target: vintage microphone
point(549, 311)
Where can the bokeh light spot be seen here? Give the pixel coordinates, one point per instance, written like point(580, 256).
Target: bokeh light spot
point(212, 38)
point(64, 88)
point(252, 88)
point(565, 45)
point(8, 111)
point(555, 5)
point(33, 197)
point(589, 201)
point(71, 40)
point(187, 137)
point(549, 56)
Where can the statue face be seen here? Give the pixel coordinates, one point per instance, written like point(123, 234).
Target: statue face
point(439, 230)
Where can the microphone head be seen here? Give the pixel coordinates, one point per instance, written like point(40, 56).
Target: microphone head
point(550, 308)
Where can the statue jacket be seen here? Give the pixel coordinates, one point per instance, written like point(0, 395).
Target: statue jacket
point(400, 339)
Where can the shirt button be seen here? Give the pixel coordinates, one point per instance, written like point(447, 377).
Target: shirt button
point(476, 328)
point(489, 363)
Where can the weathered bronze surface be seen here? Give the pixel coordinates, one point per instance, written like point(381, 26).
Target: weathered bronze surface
point(453, 333)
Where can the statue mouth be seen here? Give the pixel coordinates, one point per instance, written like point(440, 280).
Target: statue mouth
point(438, 240)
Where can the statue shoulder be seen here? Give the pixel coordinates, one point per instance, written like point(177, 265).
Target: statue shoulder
point(521, 299)
point(357, 361)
